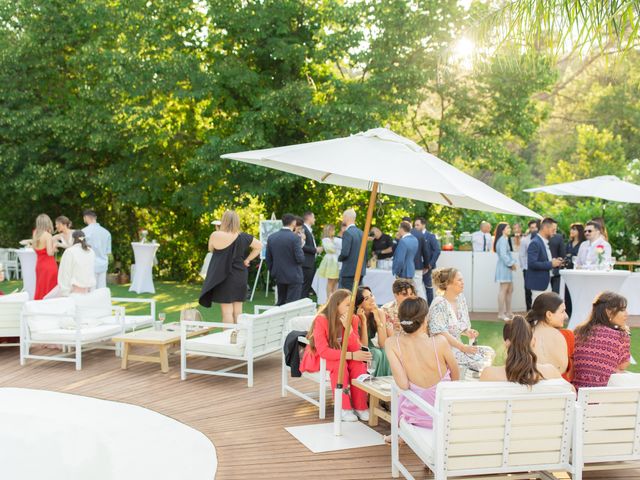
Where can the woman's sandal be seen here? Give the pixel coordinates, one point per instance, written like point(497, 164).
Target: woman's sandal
point(387, 440)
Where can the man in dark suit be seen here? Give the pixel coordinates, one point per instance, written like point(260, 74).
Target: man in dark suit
point(539, 259)
point(421, 259)
point(351, 240)
point(558, 250)
point(310, 250)
point(434, 253)
point(404, 257)
point(284, 259)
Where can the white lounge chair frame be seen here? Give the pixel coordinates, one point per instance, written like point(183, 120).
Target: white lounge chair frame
point(446, 428)
point(78, 344)
point(319, 378)
point(610, 433)
point(152, 307)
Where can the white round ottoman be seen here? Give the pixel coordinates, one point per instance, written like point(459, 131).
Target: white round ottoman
point(60, 436)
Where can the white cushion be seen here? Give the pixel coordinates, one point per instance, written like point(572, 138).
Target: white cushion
point(624, 380)
point(44, 315)
point(95, 304)
point(422, 437)
point(130, 321)
point(315, 376)
point(217, 343)
point(86, 334)
point(19, 297)
point(301, 323)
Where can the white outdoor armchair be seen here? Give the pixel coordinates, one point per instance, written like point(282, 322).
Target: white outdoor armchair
point(491, 428)
point(10, 311)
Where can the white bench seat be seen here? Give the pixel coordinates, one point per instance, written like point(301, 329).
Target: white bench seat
point(219, 342)
point(85, 334)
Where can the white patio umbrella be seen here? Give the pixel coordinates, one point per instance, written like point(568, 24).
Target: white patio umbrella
point(607, 187)
point(381, 160)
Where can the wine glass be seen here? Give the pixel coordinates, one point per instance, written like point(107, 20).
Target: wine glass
point(371, 368)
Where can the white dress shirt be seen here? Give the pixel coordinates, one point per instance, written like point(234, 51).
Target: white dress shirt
point(522, 253)
point(481, 241)
point(310, 232)
point(76, 269)
point(99, 239)
point(587, 254)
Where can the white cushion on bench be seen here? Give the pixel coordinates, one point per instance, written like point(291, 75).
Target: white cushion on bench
point(86, 334)
point(315, 376)
point(47, 315)
point(301, 323)
point(422, 437)
point(130, 321)
point(218, 343)
point(18, 297)
point(624, 380)
point(92, 305)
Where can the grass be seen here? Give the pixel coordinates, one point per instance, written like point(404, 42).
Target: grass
point(171, 297)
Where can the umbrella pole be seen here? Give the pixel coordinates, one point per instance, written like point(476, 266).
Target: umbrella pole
point(337, 417)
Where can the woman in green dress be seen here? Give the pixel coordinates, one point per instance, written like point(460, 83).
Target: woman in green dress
point(374, 330)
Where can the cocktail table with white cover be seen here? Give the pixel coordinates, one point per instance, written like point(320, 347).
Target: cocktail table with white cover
point(27, 258)
point(585, 285)
point(379, 281)
point(144, 254)
point(59, 436)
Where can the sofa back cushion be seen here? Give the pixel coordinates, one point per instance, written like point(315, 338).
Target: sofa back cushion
point(92, 305)
point(45, 315)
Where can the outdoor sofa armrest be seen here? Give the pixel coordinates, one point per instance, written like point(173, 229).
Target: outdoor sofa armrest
point(257, 309)
point(150, 301)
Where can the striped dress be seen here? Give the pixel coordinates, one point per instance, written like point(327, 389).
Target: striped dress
point(595, 360)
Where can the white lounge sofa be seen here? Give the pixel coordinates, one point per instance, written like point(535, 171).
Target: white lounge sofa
point(491, 428)
point(258, 335)
point(78, 321)
point(321, 378)
point(610, 433)
point(10, 310)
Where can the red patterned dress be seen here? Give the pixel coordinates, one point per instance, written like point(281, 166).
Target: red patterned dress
point(595, 360)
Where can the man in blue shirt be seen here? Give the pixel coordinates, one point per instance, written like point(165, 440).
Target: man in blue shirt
point(404, 256)
point(99, 239)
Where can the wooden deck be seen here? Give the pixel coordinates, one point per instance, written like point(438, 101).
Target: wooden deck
point(246, 425)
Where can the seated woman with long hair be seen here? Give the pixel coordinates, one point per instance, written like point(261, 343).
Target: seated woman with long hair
point(419, 362)
point(325, 338)
point(554, 344)
point(602, 342)
point(522, 364)
point(374, 330)
point(77, 267)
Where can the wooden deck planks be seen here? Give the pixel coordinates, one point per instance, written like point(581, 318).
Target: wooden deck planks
point(245, 424)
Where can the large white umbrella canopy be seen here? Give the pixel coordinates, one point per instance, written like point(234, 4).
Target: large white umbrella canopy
point(400, 166)
point(607, 187)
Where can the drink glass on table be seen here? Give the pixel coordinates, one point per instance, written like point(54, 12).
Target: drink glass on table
point(157, 325)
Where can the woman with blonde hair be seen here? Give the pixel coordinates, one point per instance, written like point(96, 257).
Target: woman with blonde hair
point(329, 266)
point(46, 266)
point(228, 275)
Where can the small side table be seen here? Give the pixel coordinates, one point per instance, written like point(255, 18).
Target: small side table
point(379, 389)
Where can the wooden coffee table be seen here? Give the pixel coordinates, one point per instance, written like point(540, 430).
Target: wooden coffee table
point(170, 335)
point(379, 389)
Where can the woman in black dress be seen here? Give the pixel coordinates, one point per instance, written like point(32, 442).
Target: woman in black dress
point(576, 237)
point(227, 275)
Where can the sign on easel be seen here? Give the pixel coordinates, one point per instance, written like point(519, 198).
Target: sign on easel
point(267, 227)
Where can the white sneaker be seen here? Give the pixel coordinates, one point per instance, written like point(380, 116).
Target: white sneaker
point(363, 415)
point(349, 416)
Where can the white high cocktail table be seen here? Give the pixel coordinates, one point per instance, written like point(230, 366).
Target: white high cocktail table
point(585, 285)
point(142, 281)
point(27, 257)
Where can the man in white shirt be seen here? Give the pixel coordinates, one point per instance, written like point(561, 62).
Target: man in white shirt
point(99, 239)
point(534, 225)
point(481, 240)
point(588, 251)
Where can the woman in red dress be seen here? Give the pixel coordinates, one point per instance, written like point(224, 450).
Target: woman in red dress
point(46, 266)
point(325, 340)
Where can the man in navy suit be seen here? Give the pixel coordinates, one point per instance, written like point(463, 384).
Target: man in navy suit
point(284, 259)
point(433, 247)
point(351, 240)
point(539, 259)
point(421, 260)
point(404, 256)
point(310, 250)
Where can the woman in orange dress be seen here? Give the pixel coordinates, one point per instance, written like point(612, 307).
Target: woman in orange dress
point(553, 343)
point(46, 266)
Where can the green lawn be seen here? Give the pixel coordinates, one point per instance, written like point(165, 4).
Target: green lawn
point(171, 297)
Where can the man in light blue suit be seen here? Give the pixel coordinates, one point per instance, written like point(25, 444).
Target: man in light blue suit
point(405, 253)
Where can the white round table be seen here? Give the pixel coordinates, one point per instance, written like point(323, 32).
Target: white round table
point(58, 436)
point(379, 281)
point(27, 257)
point(585, 285)
point(142, 281)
